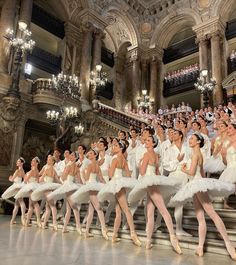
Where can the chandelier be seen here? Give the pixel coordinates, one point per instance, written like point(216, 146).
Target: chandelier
point(66, 85)
point(204, 86)
point(20, 45)
point(145, 101)
point(24, 41)
point(98, 78)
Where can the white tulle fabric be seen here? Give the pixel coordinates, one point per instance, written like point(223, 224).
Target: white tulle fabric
point(167, 186)
point(214, 188)
point(214, 164)
point(82, 194)
point(109, 190)
point(26, 189)
point(229, 174)
point(13, 189)
point(48, 185)
point(68, 186)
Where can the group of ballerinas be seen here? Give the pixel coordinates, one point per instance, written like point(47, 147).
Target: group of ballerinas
point(123, 171)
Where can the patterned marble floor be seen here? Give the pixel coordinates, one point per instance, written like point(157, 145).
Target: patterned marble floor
point(32, 246)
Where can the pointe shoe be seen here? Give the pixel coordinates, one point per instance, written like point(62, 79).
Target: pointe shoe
point(79, 230)
point(199, 251)
point(231, 251)
point(115, 238)
point(54, 227)
point(136, 240)
point(87, 235)
point(175, 244)
point(182, 233)
point(43, 226)
point(64, 230)
point(12, 222)
point(39, 224)
point(148, 244)
point(104, 233)
point(23, 221)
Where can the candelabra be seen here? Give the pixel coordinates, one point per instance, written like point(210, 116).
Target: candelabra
point(98, 78)
point(64, 114)
point(145, 102)
point(79, 129)
point(204, 86)
point(20, 45)
point(65, 85)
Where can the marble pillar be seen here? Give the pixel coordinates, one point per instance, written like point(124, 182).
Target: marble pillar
point(118, 82)
point(86, 62)
point(97, 48)
point(203, 53)
point(216, 60)
point(8, 15)
point(135, 81)
point(154, 91)
point(144, 75)
point(26, 11)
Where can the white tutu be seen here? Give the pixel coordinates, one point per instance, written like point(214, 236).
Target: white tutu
point(109, 190)
point(82, 194)
point(214, 165)
point(25, 191)
point(12, 190)
point(168, 186)
point(66, 187)
point(214, 188)
point(229, 174)
point(39, 193)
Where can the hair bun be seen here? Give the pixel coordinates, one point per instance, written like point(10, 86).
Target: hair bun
point(37, 159)
point(22, 159)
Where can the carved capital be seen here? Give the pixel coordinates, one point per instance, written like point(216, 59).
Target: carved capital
point(99, 34)
point(73, 33)
point(133, 55)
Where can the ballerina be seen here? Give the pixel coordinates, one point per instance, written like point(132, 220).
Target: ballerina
point(152, 184)
point(88, 192)
point(49, 177)
point(116, 187)
point(16, 178)
point(31, 178)
point(200, 189)
point(214, 164)
point(228, 153)
point(70, 174)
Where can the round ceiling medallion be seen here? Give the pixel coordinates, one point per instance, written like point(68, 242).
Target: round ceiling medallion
point(146, 27)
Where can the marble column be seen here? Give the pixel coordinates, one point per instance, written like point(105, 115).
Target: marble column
point(216, 60)
point(135, 81)
point(96, 58)
point(86, 62)
point(154, 92)
point(8, 15)
point(26, 11)
point(97, 48)
point(118, 82)
point(144, 75)
point(203, 53)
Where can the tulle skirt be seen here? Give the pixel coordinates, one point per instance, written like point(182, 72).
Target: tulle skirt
point(229, 174)
point(109, 190)
point(82, 194)
point(26, 190)
point(167, 187)
point(39, 193)
point(214, 165)
point(214, 188)
point(12, 190)
point(60, 193)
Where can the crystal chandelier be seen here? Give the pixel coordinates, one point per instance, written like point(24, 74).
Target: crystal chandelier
point(65, 85)
point(145, 101)
point(23, 42)
point(98, 78)
point(20, 45)
point(204, 86)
